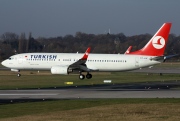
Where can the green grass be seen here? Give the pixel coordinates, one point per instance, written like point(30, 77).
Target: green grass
point(32, 79)
point(33, 108)
point(9, 80)
point(168, 65)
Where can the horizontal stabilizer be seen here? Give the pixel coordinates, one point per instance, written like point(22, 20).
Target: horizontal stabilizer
point(170, 56)
point(158, 58)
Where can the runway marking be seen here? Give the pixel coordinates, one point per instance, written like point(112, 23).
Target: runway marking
point(25, 94)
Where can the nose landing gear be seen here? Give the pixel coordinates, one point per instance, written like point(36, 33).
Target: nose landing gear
point(18, 75)
point(16, 70)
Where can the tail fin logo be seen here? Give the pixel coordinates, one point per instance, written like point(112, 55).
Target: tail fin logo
point(158, 42)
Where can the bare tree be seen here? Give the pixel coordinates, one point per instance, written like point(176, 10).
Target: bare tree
point(22, 43)
point(9, 37)
point(28, 42)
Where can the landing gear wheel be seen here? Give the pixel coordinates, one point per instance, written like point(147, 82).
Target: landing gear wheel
point(81, 76)
point(18, 75)
point(89, 76)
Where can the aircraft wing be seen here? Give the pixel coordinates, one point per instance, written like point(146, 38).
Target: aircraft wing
point(80, 64)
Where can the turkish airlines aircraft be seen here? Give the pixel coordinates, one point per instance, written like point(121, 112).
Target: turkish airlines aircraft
point(65, 63)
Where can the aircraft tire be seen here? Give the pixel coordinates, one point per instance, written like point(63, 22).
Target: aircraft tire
point(81, 76)
point(89, 76)
point(18, 75)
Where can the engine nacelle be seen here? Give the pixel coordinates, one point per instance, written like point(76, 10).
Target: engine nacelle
point(59, 70)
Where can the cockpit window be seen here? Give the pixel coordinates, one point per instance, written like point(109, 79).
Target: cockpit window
point(11, 58)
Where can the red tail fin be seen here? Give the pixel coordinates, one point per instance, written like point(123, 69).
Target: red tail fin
point(157, 44)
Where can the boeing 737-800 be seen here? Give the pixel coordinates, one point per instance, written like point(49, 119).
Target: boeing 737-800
point(65, 63)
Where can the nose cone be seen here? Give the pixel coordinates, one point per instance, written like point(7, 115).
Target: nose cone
point(3, 63)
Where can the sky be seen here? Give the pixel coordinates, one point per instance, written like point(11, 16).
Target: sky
point(53, 18)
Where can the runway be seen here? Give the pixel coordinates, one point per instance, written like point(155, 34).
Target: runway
point(136, 90)
point(85, 94)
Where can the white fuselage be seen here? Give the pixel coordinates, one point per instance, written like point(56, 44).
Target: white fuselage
point(99, 62)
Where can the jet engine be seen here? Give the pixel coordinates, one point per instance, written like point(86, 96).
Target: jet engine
point(59, 70)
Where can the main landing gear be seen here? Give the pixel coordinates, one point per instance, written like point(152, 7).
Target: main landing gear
point(82, 76)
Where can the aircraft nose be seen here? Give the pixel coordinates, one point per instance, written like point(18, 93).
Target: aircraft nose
point(3, 63)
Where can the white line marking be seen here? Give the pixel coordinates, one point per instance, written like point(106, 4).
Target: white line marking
point(25, 94)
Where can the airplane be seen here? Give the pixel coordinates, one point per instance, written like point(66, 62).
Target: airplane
point(65, 63)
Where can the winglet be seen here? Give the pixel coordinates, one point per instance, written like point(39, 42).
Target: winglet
point(128, 50)
point(85, 56)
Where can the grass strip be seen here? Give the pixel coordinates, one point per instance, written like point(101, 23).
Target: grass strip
point(44, 107)
point(44, 80)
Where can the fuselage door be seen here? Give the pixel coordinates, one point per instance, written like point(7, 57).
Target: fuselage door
point(137, 62)
point(20, 60)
